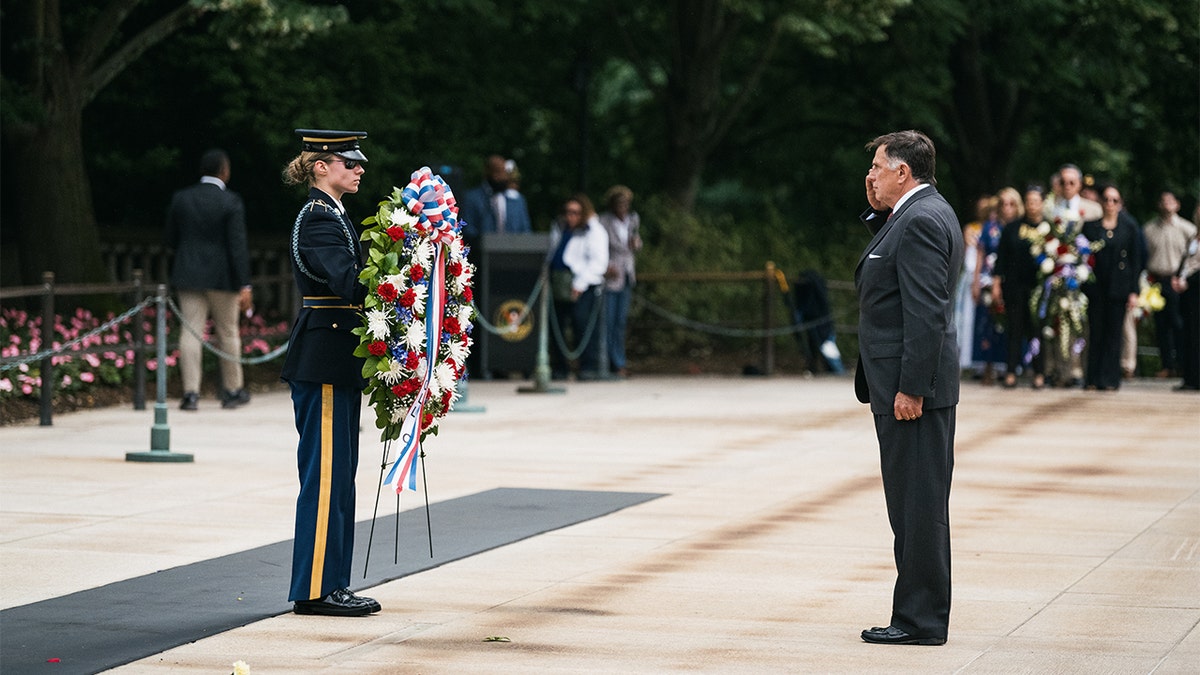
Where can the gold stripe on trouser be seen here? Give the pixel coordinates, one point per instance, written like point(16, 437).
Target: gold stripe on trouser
point(318, 566)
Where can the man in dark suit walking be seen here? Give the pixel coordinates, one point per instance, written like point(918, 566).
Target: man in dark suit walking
point(206, 225)
point(908, 373)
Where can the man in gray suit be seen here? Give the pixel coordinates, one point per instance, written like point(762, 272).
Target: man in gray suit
point(206, 225)
point(908, 373)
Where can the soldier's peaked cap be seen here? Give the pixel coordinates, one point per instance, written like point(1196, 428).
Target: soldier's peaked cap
point(341, 143)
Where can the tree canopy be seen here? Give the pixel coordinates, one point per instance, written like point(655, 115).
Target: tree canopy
point(756, 109)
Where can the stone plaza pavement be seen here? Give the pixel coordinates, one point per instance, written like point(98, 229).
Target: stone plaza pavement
point(1075, 518)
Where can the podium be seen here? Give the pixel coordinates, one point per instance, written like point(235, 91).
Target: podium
point(508, 266)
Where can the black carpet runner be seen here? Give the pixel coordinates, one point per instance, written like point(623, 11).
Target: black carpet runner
point(101, 628)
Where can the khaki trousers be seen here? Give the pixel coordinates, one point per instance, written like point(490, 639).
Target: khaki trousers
point(222, 306)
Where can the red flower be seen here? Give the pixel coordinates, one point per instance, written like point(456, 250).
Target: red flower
point(406, 387)
point(451, 326)
point(378, 348)
point(426, 420)
point(387, 292)
point(412, 361)
point(416, 272)
point(1063, 249)
point(409, 297)
point(467, 294)
point(396, 233)
point(455, 268)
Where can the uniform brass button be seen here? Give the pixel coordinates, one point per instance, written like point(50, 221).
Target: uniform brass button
point(1120, 267)
point(335, 325)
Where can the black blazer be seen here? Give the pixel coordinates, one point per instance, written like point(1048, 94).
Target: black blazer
point(1118, 262)
point(906, 281)
point(326, 261)
point(1015, 265)
point(207, 228)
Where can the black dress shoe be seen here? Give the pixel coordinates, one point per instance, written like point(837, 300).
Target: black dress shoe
point(894, 636)
point(371, 602)
point(233, 399)
point(338, 603)
point(191, 401)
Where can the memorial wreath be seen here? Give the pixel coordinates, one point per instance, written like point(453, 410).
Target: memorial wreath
point(417, 323)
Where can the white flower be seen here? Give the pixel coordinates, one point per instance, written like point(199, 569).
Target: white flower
point(459, 350)
point(397, 413)
point(463, 279)
point(464, 316)
point(1063, 303)
point(402, 218)
point(390, 371)
point(377, 324)
point(423, 254)
point(1069, 259)
point(445, 377)
point(1048, 266)
point(415, 336)
point(421, 291)
point(398, 281)
point(1043, 228)
point(1051, 247)
point(1082, 273)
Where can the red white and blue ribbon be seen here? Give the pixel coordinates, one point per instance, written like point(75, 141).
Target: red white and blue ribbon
point(429, 198)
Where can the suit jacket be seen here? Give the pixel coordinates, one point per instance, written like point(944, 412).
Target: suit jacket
point(326, 261)
point(906, 282)
point(207, 228)
point(476, 211)
point(1119, 262)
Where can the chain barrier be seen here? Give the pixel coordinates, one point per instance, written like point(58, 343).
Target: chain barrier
point(511, 327)
point(587, 332)
point(221, 354)
point(727, 332)
point(81, 339)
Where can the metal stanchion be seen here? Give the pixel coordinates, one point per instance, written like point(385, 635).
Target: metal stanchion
point(603, 366)
point(541, 370)
point(160, 433)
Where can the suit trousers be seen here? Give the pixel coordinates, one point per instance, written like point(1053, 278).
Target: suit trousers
point(917, 460)
point(327, 418)
point(196, 307)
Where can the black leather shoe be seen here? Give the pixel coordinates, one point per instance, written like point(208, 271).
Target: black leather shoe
point(371, 602)
point(338, 603)
point(894, 636)
point(233, 399)
point(191, 401)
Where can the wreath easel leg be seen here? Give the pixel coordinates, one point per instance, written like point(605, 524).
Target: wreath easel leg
point(378, 490)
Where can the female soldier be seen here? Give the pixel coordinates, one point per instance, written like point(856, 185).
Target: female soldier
point(324, 375)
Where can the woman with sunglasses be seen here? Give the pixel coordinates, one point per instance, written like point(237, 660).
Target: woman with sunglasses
point(1113, 289)
point(324, 375)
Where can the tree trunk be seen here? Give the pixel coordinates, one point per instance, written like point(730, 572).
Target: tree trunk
point(692, 105)
point(986, 118)
point(56, 221)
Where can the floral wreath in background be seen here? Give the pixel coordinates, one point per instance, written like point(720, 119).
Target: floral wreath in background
point(416, 332)
point(1065, 259)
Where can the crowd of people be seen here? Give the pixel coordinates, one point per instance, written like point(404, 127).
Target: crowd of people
point(590, 259)
point(1055, 282)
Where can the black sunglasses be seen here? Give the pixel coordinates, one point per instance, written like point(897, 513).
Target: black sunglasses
point(351, 164)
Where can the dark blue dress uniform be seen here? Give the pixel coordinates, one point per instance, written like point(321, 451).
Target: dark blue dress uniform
point(326, 382)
